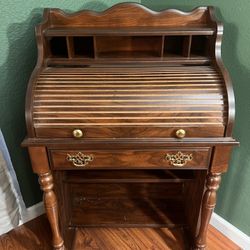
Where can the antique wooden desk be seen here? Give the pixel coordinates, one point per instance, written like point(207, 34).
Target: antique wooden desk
point(129, 117)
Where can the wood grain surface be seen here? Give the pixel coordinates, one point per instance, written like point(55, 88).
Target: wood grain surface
point(132, 159)
point(35, 235)
point(129, 102)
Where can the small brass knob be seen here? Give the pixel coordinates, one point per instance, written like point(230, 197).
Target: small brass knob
point(180, 133)
point(77, 133)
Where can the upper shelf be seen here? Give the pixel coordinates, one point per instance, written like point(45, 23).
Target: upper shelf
point(68, 31)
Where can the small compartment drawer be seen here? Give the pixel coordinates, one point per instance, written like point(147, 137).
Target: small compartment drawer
point(130, 131)
point(175, 158)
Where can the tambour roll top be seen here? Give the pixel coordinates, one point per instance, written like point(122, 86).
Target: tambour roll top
point(141, 77)
point(124, 102)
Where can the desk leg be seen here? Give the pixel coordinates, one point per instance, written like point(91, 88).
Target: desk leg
point(40, 165)
point(50, 203)
point(208, 204)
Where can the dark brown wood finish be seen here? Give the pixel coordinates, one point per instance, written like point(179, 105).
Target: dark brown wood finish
point(132, 159)
point(193, 192)
point(40, 166)
point(130, 102)
point(219, 64)
point(208, 205)
point(129, 115)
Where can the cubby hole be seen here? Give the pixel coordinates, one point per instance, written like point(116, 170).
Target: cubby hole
point(83, 46)
point(174, 45)
point(58, 47)
point(128, 46)
point(199, 46)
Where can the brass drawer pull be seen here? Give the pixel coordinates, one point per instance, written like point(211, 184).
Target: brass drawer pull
point(77, 133)
point(79, 159)
point(180, 133)
point(179, 159)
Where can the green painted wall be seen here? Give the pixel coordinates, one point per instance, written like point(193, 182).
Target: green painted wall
point(18, 56)
point(17, 60)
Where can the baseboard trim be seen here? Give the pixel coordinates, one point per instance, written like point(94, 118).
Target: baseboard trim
point(223, 226)
point(230, 231)
point(32, 212)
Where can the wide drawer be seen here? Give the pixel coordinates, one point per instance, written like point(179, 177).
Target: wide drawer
point(174, 158)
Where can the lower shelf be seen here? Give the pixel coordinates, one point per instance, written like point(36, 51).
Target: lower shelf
point(127, 198)
point(126, 204)
point(130, 238)
point(128, 213)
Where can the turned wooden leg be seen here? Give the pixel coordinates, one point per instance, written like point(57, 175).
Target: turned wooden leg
point(208, 204)
point(50, 203)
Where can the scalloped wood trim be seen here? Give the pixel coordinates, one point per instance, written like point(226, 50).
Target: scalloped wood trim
point(128, 15)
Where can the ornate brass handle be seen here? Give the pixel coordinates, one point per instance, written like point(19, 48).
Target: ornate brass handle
point(79, 159)
point(179, 159)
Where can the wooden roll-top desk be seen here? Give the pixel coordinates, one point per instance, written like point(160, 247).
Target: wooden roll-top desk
point(129, 118)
